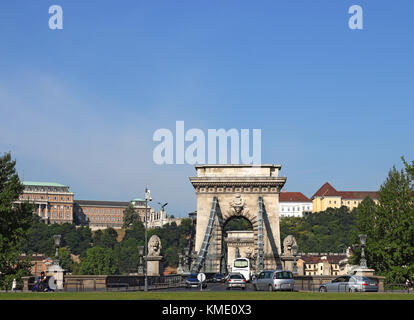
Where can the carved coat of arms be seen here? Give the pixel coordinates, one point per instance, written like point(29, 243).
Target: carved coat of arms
point(238, 206)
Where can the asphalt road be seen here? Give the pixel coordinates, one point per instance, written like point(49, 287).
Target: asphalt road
point(211, 286)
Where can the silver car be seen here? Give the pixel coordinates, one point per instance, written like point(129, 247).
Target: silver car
point(274, 280)
point(350, 284)
point(235, 280)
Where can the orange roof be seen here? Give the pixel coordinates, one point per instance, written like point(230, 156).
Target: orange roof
point(325, 191)
point(328, 191)
point(293, 197)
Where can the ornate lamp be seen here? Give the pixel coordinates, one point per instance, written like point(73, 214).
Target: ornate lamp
point(140, 253)
point(295, 253)
point(363, 240)
point(56, 239)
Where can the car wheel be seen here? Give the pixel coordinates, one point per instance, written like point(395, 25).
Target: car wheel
point(270, 288)
point(351, 290)
point(255, 287)
point(322, 289)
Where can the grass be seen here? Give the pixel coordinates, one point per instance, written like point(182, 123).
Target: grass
point(202, 296)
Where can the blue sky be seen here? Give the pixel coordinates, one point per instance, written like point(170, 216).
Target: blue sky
point(79, 106)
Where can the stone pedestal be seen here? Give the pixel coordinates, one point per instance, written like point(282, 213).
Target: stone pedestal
point(364, 272)
point(153, 265)
point(288, 262)
point(57, 272)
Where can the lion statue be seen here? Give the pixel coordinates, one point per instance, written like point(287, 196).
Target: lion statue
point(154, 246)
point(288, 244)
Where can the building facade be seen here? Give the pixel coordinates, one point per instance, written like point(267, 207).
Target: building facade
point(328, 197)
point(104, 214)
point(320, 264)
point(53, 202)
point(294, 204)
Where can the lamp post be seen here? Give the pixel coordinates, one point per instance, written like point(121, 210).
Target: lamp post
point(295, 253)
point(186, 258)
point(363, 240)
point(56, 239)
point(141, 265)
point(147, 198)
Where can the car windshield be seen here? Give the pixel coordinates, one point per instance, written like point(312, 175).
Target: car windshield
point(236, 276)
point(192, 277)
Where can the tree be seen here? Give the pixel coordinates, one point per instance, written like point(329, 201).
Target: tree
point(107, 238)
point(15, 221)
point(65, 259)
point(390, 227)
point(98, 260)
point(130, 216)
point(325, 231)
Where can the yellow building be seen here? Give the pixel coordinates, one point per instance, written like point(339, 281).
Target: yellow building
point(313, 264)
point(328, 197)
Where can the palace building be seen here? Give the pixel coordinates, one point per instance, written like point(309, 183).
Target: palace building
point(53, 202)
point(328, 197)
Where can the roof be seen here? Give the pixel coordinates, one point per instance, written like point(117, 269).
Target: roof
point(328, 191)
point(359, 194)
point(101, 203)
point(43, 184)
point(325, 191)
point(293, 197)
point(313, 259)
point(137, 199)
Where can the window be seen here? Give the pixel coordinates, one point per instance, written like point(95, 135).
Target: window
point(113, 211)
point(86, 210)
point(67, 216)
point(107, 211)
point(118, 211)
point(113, 219)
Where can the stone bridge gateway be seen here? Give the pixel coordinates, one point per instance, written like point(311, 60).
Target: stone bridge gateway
point(227, 191)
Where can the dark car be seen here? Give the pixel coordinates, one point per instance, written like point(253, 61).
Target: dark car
point(218, 277)
point(192, 281)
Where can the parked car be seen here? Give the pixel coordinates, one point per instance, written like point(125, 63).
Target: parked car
point(235, 280)
point(350, 284)
point(192, 281)
point(218, 277)
point(274, 280)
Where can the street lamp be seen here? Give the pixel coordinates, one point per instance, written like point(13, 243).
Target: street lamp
point(295, 253)
point(186, 258)
point(56, 239)
point(363, 240)
point(147, 198)
point(140, 253)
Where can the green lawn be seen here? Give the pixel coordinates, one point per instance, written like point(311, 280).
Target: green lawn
point(203, 296)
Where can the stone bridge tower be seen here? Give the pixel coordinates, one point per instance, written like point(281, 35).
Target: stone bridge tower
point(227, 191)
